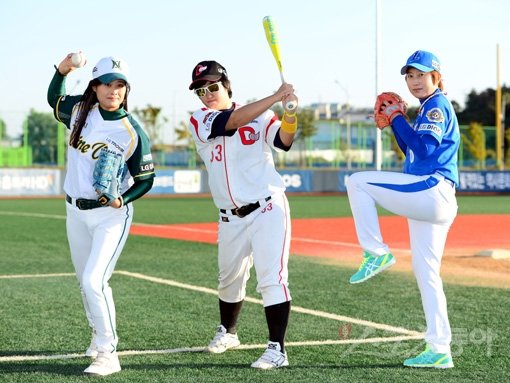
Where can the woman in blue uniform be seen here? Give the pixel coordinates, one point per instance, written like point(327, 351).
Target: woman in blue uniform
point(424, 193)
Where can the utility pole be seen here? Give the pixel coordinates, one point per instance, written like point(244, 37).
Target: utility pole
point(499, 117)
point(347, 115)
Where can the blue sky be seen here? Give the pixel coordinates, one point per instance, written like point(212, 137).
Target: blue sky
point(328, 47)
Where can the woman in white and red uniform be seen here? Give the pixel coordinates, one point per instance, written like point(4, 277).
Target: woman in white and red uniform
point(236, 144)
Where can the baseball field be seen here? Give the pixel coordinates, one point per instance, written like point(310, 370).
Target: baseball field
point(167, 310)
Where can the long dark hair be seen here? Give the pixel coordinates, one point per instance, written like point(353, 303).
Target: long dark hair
point(87, 101)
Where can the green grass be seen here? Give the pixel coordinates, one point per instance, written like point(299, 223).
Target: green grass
point(44, 316)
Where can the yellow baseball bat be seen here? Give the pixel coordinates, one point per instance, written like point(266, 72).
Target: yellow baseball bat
point(274, 44)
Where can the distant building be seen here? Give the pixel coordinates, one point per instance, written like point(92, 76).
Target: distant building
point(336, 111)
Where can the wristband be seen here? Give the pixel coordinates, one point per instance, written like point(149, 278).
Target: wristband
point(289, 127)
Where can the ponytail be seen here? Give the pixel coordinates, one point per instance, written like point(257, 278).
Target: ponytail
point(436, 77)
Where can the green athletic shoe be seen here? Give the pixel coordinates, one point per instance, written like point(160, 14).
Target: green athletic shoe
point(428, 358)
point(371, 266)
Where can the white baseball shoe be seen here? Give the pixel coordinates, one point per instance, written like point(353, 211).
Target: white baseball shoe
point(271, 358)
point(92, 350)
point(223, 341)
point(106, 363)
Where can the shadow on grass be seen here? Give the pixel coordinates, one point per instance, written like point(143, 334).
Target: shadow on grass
point(48, 368)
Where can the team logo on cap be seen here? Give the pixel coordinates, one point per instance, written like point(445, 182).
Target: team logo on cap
point(416, 56)
point(116, 64)
point(200, 69)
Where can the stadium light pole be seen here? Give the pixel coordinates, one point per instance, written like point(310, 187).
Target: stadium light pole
point(378, 136)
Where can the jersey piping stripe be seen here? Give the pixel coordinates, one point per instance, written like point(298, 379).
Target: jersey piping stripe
point(194, 122)
point(144, 174)
point(273, 120)
point(226, 172)
point(282, 257)
point(56, 110)
point(131, 130)
point(410, 188)
point(114, 255)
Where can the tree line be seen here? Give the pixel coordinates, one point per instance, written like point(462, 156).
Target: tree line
point(479, 111)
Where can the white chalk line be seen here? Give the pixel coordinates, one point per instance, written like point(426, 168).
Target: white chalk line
point(398, 330)
point(174, 228)
point(206, 290)
point(23, 276)
point(206, 231)
point(407, 334)
point(32, 215)
point(202, 231)
point(26, 358)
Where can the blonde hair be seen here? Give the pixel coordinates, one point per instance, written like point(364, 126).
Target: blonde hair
point(436, 77)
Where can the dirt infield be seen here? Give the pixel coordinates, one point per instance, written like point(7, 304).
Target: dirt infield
point(334, 240)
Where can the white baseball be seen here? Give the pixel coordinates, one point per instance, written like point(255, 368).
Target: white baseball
point(78, 59)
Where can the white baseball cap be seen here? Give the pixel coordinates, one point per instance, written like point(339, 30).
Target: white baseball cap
point(109, 69)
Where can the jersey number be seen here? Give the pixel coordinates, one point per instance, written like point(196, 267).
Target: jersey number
point(248, 137)
point(269, 207)
point(217, 153)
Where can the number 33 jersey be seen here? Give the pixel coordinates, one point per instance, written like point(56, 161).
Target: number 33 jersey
point(239, 162)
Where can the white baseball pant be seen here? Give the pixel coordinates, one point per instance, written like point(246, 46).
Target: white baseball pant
point(96, 239)
point(430, 211)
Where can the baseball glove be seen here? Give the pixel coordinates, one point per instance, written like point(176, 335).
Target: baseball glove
point(387, 106)
point(107, 176)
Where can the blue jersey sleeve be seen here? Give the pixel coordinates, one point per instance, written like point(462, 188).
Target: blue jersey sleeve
point(422, 145)
point(433, 140)
point(401, 144)
point(433, 119)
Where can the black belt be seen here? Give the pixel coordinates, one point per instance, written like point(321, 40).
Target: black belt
point(84, 204)
point(243, 211)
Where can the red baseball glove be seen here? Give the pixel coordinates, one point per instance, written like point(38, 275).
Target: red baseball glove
point(387, 106)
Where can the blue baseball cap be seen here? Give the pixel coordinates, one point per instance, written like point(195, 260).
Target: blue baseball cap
point(422, 60)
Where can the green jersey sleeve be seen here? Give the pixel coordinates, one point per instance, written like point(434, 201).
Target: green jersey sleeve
point(61, 103)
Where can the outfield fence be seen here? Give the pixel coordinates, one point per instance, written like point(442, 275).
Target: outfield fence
point(49, 181)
